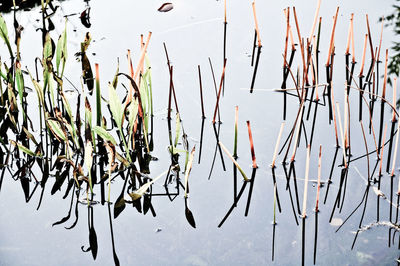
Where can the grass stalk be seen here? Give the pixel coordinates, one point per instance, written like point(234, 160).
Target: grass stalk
point(219, 93)
point(277, 145)
point(234, 161)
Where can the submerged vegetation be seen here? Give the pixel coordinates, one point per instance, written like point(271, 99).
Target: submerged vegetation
point(109, 137)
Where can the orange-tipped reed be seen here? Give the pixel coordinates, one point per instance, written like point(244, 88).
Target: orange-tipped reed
point(380, 39)
point(286, 11)
point(253, 155)
point(363, 56)
point(291, 38)
point(332, 41)
point(225, 11)
point(315, 20)
point(256, 24)
point(370, 38)
point(385, 76)
point(300, 39)
point(394, 99)
point(349, 36)
point(352, 40)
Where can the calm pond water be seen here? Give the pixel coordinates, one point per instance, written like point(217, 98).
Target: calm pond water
point(193, 33)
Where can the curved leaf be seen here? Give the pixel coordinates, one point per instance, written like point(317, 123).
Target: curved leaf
point(24, 149)
point(4, 33)
point(56, 129)
point(104, 134)
point(61, 53)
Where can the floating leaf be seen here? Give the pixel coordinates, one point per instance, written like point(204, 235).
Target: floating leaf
point(166, 7)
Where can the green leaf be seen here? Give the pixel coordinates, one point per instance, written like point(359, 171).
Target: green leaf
point(188, 169)
point(133, 109)
point(47, 49)
point(24, 149)
point(29, 135)
point(61, 53)
point(115, 106)
point(177, 129)
point(72, 128)
point(104, 134)
point(3, 29)
point(124, 161)
point(20, 84)
point(4, 34)
point(147, 74)
point(56, 129)
point(39, 91)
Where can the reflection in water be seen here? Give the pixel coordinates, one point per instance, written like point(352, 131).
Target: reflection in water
point(7, 5)
point(95, 151)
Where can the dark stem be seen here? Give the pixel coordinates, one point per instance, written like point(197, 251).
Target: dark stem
point(255, 69)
